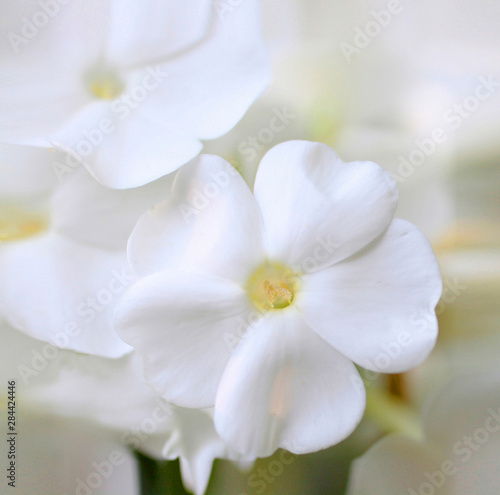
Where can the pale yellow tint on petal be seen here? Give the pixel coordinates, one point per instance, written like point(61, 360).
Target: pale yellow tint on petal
point(17, 223)
point(106, 86)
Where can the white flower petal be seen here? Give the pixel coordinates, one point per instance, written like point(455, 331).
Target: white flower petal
point(42, 77)
point(285, 387)
point(208, 89)
point(212, 224)
point(182, 324)
point(197, 444)
point(310, 198)
point(83, 25)
point(26, 171)
point(144, 32)
point(197, 459)
point(29, 113)
point(196, 474)
point(87, 212)
point(112, 392)
point(377, 307)
point(45, 288)
point(134, 149)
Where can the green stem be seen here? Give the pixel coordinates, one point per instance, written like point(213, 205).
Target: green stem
point(392, 415)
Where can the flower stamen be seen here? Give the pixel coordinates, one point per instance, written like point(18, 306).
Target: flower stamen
point(278, 296)
point(106, 85)
point(272, 286)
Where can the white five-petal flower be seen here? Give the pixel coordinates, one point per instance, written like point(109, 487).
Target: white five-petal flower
point(63, 250)
point(129, 88)
point(259, 305)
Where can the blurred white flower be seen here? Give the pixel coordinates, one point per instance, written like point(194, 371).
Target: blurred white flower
point(260, 304)
point(63, 456)
point(129, 89)
point(63, 250)
point(112, 397)
point(459, 456)
point(57, 451)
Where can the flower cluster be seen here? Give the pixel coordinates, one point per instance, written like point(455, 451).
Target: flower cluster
point(153, 300)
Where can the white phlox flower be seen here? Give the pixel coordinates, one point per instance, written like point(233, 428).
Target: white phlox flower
point(63, 250)
point(260, 304)
point(129, 89)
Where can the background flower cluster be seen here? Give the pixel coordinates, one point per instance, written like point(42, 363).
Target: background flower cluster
point(105, 108)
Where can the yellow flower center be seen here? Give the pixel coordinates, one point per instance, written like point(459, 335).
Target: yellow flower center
point(17, 223)
point(272, 286)
point(106, 85)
